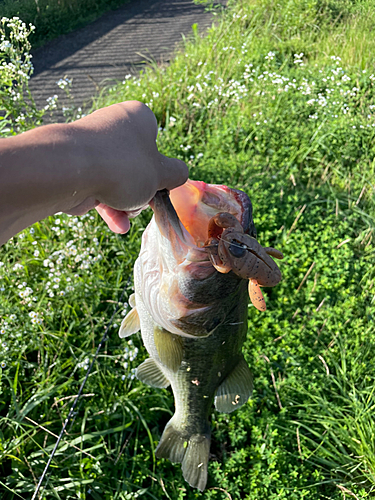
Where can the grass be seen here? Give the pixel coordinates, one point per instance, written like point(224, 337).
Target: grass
point(336, 425)
point(277, 101)
point(56, 17)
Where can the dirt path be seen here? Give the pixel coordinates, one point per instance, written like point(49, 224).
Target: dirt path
point(114, 45)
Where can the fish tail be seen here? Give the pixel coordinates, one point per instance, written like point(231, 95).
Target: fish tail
point(192, 451)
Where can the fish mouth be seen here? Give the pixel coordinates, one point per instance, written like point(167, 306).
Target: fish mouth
point(183, 274)
point(174, 276)
point(183, 215)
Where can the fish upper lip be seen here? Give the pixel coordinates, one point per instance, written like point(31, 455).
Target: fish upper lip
point(166, 218)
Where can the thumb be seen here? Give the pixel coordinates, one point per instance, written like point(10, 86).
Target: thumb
point(172, 173)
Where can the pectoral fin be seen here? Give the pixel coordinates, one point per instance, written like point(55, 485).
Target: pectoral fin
point(130, 324)
point(169, 347)
point(235, 390)
point(132, 300)
point(149, 373)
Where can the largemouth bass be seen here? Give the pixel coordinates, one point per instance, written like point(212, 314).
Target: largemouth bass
point(198, 257)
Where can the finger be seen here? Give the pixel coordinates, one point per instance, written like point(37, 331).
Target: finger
point(117, 221)
point(134, 213)
point(173, 173)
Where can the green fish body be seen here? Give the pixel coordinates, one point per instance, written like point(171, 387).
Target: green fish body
point(193, 321)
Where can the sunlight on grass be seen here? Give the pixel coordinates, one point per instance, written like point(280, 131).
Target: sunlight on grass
point(336, 424)
point(278, 100)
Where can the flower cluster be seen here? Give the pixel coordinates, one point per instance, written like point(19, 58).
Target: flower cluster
point(64, 83)
point(129, 356)
point(35, 318)
point(84, 364)
point(51, 103)
point(16, 68)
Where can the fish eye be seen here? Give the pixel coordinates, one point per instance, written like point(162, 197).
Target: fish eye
point(237, 250)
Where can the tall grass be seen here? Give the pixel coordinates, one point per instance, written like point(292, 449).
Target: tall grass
point(56, 17)
point(270, 102)
point(336, 422)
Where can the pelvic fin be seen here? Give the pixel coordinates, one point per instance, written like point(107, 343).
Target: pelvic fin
point(169, 347)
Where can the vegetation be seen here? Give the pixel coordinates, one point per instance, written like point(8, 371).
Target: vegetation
point(56, 17)
point(277, 101)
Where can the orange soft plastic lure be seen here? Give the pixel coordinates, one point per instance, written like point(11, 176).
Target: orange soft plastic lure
point(230, 249)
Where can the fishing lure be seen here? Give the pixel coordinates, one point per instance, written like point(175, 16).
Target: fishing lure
point(230, 249)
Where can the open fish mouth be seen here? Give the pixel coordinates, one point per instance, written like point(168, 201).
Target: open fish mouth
point(203, 220)
point(197, 230)
point(183, 215)
point(174, 276)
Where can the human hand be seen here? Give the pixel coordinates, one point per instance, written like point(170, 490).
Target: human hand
point(123, 163)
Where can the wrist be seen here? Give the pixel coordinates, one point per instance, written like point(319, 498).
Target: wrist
point(87, 159)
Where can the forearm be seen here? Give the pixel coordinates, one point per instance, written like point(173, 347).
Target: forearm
point(109, 157)
point(42, 172)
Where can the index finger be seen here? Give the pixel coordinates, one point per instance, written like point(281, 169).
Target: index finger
point(117, 220)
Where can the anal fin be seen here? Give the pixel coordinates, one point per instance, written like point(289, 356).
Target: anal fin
point(169, 347)
point(149, 373)
point(235, 389)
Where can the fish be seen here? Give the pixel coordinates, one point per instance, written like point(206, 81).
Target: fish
point(198, 262)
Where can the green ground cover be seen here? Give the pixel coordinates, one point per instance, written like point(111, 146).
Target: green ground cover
point(56, 17)
point(277, 101)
